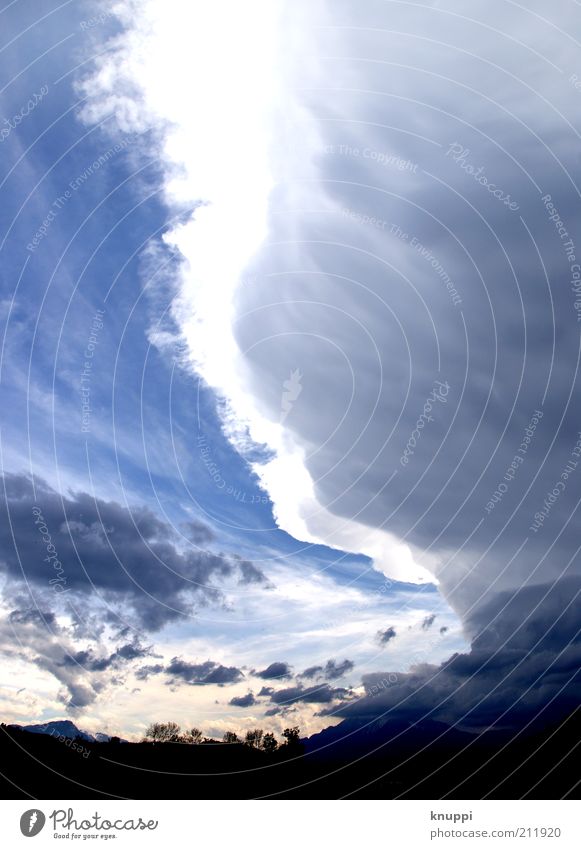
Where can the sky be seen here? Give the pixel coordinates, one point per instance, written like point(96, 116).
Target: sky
point(290, 316)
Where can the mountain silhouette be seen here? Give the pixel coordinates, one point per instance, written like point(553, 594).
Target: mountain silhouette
point(65, 728)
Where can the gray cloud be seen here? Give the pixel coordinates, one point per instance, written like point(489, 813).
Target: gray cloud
point(36, 637)
point(275, 670)
point(372, 307)
point(331, 671)
point(383, 637)
point(243, 701)
point(199, 533)
point(88, 661)
point(335, 670)
point(250, 573)
point(44, 618)
point(428, 622)
point(179, 671)
point(524, 665)
point(124, 557)
point(209, 672)
point(146, 671)
point(312, 672)
point(320, 694)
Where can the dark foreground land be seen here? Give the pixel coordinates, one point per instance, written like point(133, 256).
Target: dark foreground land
point(414, 763)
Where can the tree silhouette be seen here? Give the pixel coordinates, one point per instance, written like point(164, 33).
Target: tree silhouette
point(195, 736)
point(163, 732)
point(230, 737)
point(292, 737)
point(269, 743)
point(169, 732)
point(254, 738)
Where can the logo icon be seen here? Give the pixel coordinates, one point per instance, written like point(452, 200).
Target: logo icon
point(32, 822)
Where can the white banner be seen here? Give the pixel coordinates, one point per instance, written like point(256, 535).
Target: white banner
point(289, 824)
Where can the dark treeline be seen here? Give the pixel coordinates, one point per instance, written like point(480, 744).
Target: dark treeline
point(170, 732)
point(418, 762)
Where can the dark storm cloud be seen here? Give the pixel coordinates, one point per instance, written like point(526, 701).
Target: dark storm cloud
point(381, 290)
point(131, 651)
point(275, 670)
point(524, 664)
point(80, 696)
point(88, 661)
point(428, 622)
point(37, 617)
point(311, 672)
point(243, 701)
point(321, 694)
point(180, 671)
point(99, 548)
point(383, 637)
point(266, 691)
point(209, 672)
point(330, 671)
point(335, 670)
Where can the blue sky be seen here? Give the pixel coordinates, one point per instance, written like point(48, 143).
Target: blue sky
point(284, 295)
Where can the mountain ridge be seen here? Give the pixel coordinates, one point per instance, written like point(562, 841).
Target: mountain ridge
point(65, 728)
